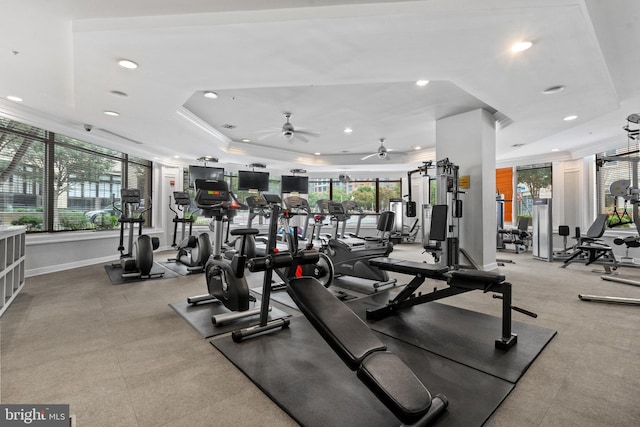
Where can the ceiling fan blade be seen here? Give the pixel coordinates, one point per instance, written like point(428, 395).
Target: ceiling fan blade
point(268, 135)
point(308, 132)
point(370, 155)
point(300, 137)
point(269, 131)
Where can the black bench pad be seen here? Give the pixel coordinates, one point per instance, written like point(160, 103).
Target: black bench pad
point(475, 276)
point(395, 385)
point(408, 267)
point(384, 373)
point(345, 332)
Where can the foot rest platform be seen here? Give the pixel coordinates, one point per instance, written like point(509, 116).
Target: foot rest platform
point(408, 267)
point(595, 247)
point(386, 375)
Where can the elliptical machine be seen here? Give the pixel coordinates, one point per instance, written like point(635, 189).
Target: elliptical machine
point(226, 281)
point(350, 255)
point(138, 260)
point(193, 251)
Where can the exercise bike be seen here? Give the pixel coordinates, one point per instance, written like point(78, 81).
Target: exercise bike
point(286, 240)
point(321, 269)
point(138, 260)
point(226, 281)
point(193, 251)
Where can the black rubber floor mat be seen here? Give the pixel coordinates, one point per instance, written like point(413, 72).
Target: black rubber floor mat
point(115, 274)
point(468, 337)
point(299, 371)
point(199, 317)
point(179, 268)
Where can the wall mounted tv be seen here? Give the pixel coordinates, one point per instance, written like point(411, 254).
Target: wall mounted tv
point(204, 172)
point(294, 184)
point(249, 180)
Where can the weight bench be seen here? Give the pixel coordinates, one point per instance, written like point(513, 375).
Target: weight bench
point(384, 373)
point(459, 281)
point(591, 247)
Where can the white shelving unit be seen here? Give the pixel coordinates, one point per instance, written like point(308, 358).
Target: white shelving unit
point(12, 256)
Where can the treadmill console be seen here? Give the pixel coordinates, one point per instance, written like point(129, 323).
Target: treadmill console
point(130, 196)
point(272, 199)
point(336, 210)
point(181, 198)
point(213, 198)
point(297, 203)
point(256, 202)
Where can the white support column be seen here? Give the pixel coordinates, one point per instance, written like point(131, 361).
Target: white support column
point(469, 141)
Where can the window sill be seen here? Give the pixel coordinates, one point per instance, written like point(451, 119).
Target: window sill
point(74, 236)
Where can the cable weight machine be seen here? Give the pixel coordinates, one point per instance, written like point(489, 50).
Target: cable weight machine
point(447, 192)
point(629, 190)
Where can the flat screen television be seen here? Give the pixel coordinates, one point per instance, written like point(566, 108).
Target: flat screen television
point(249, 180)
point(204, 172)
point(294, 184)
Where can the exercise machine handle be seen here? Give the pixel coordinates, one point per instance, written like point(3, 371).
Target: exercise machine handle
point(278, 260)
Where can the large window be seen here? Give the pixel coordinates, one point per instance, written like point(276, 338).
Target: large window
point(612, 166)
point(50, 182)
point(371, 195)
point(533, 182)
point(319, 189)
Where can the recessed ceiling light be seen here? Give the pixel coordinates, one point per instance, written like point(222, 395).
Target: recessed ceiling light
point(112, 113)
point(128, 64)
point(569, 118)
point(316, 154)
point(555, 149)
point(118, 93)
point(245, 140)
point(14, 98)
point(176, 157)
point(422, 82)
point(417, 147)
point(521, 46)
point(348, 130)
point(553, 89)
point(211, 95)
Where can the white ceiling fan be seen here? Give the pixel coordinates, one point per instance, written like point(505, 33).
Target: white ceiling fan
point(288, 132)
point(382, 152)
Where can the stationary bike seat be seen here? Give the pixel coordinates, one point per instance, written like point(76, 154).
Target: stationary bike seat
point(244, 231)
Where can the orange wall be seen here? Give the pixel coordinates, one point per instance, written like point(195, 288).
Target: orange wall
point(504, 185)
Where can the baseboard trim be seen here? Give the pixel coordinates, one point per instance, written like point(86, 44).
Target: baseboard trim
point(68, 266)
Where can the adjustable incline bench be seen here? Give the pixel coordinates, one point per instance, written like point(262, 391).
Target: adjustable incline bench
point(384, 373)
point(459, 281)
